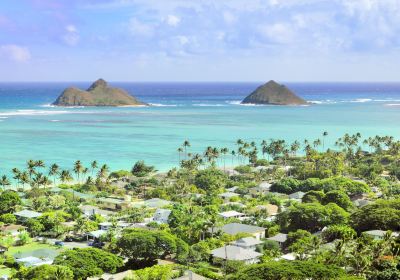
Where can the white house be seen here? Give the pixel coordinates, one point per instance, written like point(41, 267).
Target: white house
point(161, 216)
point(249, 243)
point(235, 253)
point(231, 214)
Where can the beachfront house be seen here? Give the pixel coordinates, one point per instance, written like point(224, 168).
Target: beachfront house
point(249, 243)
point(161, 216)
point(235, 228)
point(25, 215)
point(235, 253)
point(231, 214)
point(280, 238)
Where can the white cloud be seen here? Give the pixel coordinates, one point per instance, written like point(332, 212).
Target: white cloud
point(71, 37)
point(15, 53)
point(281, 33)
point(229, 18)
point(137, 27)
point(173, 20)
point(183, 40)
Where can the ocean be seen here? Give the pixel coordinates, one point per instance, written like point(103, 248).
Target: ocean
point(206, 114)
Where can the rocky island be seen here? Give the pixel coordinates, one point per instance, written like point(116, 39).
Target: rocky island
point(98, 94)
point(274, 94)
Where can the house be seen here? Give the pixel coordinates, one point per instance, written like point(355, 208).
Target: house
point(33, 261)
point(280, 238)
point(25, 215)
point(261, 189)
point(13, 230)
point(235, 253)
point(233, 189)
point(249, 243)
point(231, 172)
point(379, 234)
point(95, 234)
point(235, 228)
point(153, 203)
point(360, 202)
point(231, 214)
point(113, 203)
point(90, 210)
point(161, 216)
point(119, 225)
point(297, 195)
point(271, 209)
point(227, 196)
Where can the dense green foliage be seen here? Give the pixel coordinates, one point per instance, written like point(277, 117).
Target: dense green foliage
point(146, 245)
point(8, 201)
point(294, 270)
point(382, 214)
point(46, 271)
point(88, 262)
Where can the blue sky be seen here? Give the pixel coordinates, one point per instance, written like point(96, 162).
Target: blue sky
point(200, 40)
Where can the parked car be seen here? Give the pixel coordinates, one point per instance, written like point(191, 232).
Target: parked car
point(59, 243)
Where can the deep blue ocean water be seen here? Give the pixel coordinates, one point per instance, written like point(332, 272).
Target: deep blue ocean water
point(207, 114)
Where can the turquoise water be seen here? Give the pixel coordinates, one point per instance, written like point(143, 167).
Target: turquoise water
point(207, 114)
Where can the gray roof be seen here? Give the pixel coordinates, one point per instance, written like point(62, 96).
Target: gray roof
point(234, 253)
point(228, 194)
point(280, 237)
point(235, 228)
point(28, 214)
point(97, 233)
point(33, 261)
point(296, 195)
point(246, 241)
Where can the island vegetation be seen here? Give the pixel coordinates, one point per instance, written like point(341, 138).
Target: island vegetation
point(269, 210)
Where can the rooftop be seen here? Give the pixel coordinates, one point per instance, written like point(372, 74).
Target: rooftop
point(246, 241)
point(235, 228)
point(234, 253)
point(28, 214)
point(280, 237)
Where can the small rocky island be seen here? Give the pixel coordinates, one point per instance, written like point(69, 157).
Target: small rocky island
point(274, 94)
point(98, 94)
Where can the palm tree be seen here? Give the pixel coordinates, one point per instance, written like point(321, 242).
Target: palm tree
point(104, 169)
point(31, 165)
point(233, 153)
point(4, 182)
point(54, 171)
point(185, 145)
point(78, 168)
point(24, 177)
point(295, 147)
point(17, 175)
point(224, 152)
point(39, 163)
point(324, 135)
point(180, 150)
point(65, 176)
point(94, 166)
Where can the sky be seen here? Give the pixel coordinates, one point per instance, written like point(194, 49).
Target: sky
point(200, 40)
